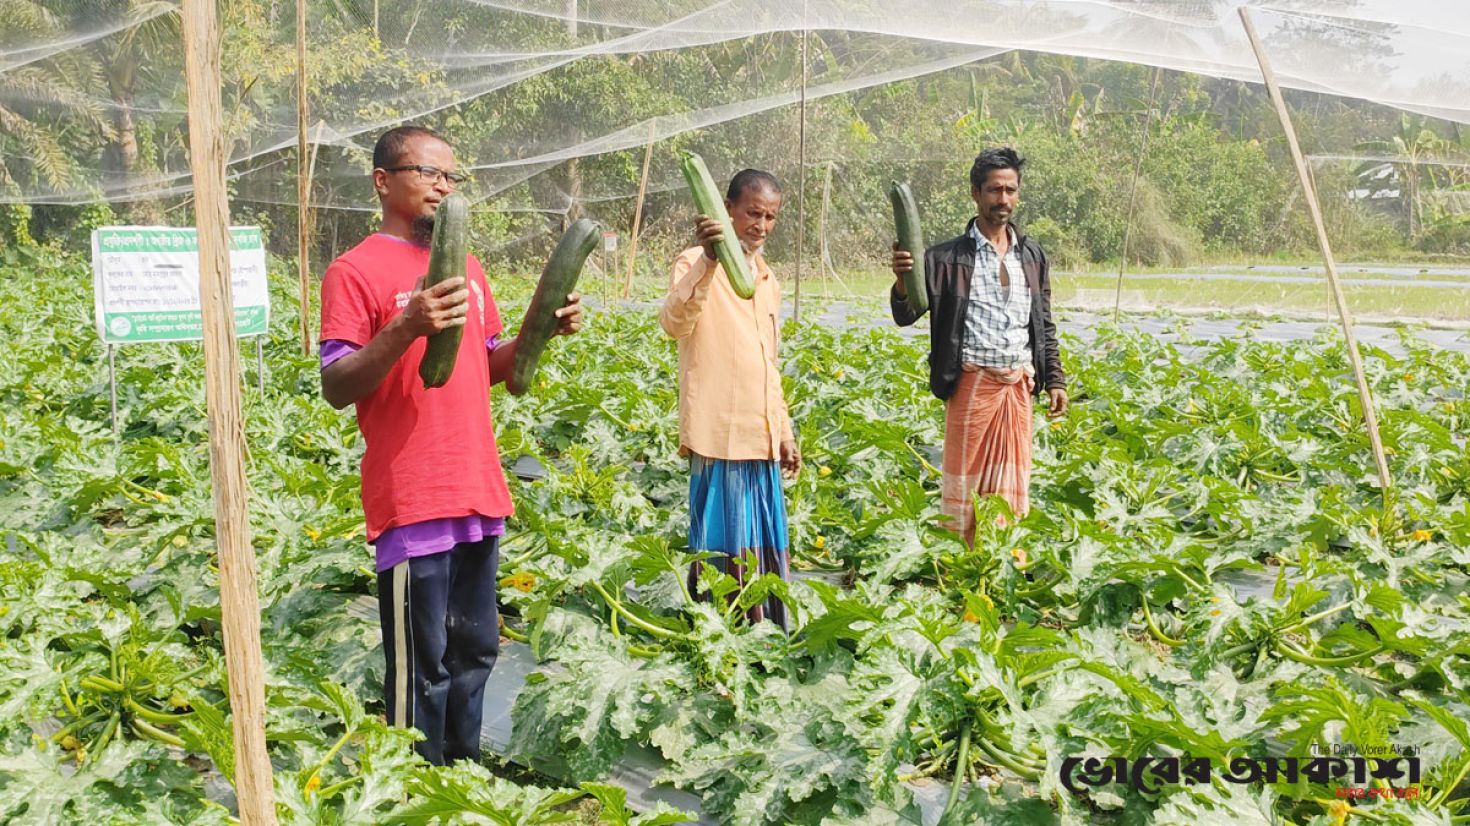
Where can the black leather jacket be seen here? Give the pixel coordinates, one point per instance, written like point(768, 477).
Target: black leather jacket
point(947, 268)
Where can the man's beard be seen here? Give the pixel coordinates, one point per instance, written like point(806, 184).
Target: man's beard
point(423, 229)
point(751, 247)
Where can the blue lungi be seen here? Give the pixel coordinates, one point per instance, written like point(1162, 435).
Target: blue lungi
point(737, 507)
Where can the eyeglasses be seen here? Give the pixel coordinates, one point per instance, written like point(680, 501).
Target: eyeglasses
point(432, 174)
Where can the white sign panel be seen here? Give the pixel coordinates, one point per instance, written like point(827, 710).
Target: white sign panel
point(145, 283)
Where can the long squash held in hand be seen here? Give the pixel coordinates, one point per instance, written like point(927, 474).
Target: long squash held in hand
point(448, 248)
point(558, 280)
point(910, 240)
point(710, 203)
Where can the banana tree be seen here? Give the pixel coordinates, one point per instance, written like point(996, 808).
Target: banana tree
point(1405, 153)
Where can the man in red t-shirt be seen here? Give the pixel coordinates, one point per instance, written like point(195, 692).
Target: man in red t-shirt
point(433, 490)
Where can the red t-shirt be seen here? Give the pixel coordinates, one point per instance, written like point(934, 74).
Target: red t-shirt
point(430, 454)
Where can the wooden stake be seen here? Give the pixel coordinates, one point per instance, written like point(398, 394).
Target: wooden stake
point(638, 214)
point(303, 182)
point(112, 387)
point(1148, 116)
point(1365, 394)
point(239, 601)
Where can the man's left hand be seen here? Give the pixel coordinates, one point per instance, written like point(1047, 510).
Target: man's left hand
point(1058, 403)
point(790, 457)
point(569, 317)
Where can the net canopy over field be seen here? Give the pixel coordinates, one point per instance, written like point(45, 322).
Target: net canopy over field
point(1211, 567)
point(91, 95)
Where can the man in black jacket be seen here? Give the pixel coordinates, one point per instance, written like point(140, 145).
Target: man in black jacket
point(993, 343)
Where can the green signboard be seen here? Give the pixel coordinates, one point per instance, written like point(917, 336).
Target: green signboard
point(145, 284)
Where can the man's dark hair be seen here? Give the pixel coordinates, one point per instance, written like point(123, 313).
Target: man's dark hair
point(748, 179)
point(389, 149)
point(1002, 157)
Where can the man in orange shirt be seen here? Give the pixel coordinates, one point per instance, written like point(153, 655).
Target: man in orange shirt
point(733, 423)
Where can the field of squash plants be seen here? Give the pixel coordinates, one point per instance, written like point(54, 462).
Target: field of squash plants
point(1209, 570)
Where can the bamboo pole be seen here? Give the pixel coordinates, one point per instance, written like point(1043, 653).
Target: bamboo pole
point(638, 213)
point(1365, 394)
point(801, 169)
point(1148, 117)
point(822, 262)
point(239, 601)
point(316, 145)
point(303, 182)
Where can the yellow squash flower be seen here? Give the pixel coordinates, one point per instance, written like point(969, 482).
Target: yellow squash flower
point(523, 581)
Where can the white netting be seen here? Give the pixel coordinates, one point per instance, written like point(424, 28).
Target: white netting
point(92, 100)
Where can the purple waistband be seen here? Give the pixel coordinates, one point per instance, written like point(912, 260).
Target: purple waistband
point(434, 536)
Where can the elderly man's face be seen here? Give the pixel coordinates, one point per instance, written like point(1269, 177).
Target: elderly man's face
point(754, 216)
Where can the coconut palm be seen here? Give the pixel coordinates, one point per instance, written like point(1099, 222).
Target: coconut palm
point(46, 109)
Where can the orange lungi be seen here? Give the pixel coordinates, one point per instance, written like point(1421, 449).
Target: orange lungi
point(987, 444)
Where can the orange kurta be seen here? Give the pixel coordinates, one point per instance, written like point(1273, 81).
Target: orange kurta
point(730, 400)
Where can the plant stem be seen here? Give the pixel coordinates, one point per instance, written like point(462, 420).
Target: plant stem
point(633, 619)
point(961, 767)
point(1292, 652)
point(99, 683)
point(922, 460)
point(1153, 628)
point(1187, 578)
point(151, 715)
point(646, 652)
point(147, 729)
point(1444, 793)
point(1006, 761)
point(66, 699)
point(1031, 679)
point(332, 752)
point(77, 724)
point(1038, 587)
point(332, 790)
point(1305, 621)
point(1239, 649)
point(107, 732)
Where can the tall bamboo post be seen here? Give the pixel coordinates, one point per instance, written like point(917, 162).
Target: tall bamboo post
point(822, 262)
point(239, 601)
point(1365, 394)
point(303, 183)
point(638, 213)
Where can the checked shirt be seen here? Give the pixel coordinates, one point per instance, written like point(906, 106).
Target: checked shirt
point(995, 324)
